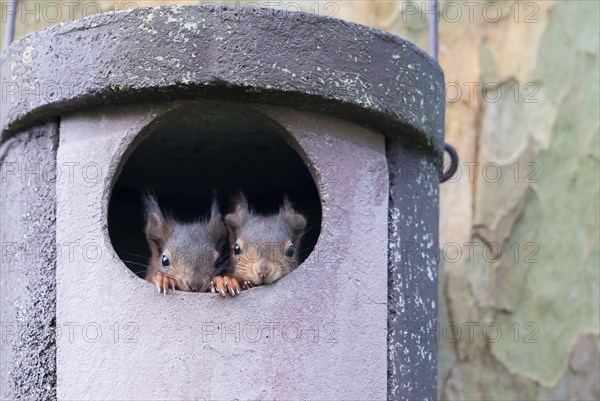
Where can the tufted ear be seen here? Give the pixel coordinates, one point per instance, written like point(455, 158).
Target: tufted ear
point(239, 216)
point(295, 221)
point(216, 228)
point(158, 228)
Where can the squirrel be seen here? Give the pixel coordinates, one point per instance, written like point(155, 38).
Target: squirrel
point(184, 256)
point(263, 248)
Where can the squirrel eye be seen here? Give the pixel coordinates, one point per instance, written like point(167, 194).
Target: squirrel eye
point(290, 251)
point(165, 260)
point(236, 249)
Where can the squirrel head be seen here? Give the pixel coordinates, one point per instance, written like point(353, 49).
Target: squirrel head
point(264, 248)
point(185, 252)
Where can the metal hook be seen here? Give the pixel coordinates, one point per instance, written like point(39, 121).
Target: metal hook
point(446, 175)
point(433, 52)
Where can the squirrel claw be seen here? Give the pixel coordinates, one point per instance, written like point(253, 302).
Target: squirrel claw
point(224, 285)
point(163, 283)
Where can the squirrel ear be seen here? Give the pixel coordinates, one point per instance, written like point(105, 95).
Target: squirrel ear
point(240, 214)
point(294, 220)
point(216, 228)
point(157, 226)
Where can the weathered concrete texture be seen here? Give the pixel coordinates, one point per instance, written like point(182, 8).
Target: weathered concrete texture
point(413, 273)
point(253, 54)
point(320, 333)
point(27, 280)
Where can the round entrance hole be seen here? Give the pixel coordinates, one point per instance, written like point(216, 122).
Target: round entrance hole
point(193, 152)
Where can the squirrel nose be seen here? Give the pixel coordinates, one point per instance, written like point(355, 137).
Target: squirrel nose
point(263, 271)
point(196, 286)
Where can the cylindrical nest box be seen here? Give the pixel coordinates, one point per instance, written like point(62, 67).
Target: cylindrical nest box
point(345, 119)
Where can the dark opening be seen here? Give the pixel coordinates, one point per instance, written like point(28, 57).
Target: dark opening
point(193, 151)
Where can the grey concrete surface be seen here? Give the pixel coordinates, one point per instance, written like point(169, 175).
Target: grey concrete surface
point(264, 55)
point(28, 262)
point(413, 275)
point(368, 101)
point(323, 329)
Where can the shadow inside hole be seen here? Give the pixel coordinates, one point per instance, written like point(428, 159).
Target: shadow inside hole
point(193, 151)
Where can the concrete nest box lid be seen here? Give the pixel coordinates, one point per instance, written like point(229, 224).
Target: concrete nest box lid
point(242, 54)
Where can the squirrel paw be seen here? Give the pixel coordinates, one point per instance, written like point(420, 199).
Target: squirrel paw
point(163, 283)
point(224, 285)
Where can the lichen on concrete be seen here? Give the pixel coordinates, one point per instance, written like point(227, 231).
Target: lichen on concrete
point(229, 51)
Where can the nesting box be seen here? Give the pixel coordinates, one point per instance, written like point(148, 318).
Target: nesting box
point(345, 119)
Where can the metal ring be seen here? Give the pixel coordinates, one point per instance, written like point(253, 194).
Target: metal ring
point(446, 175)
